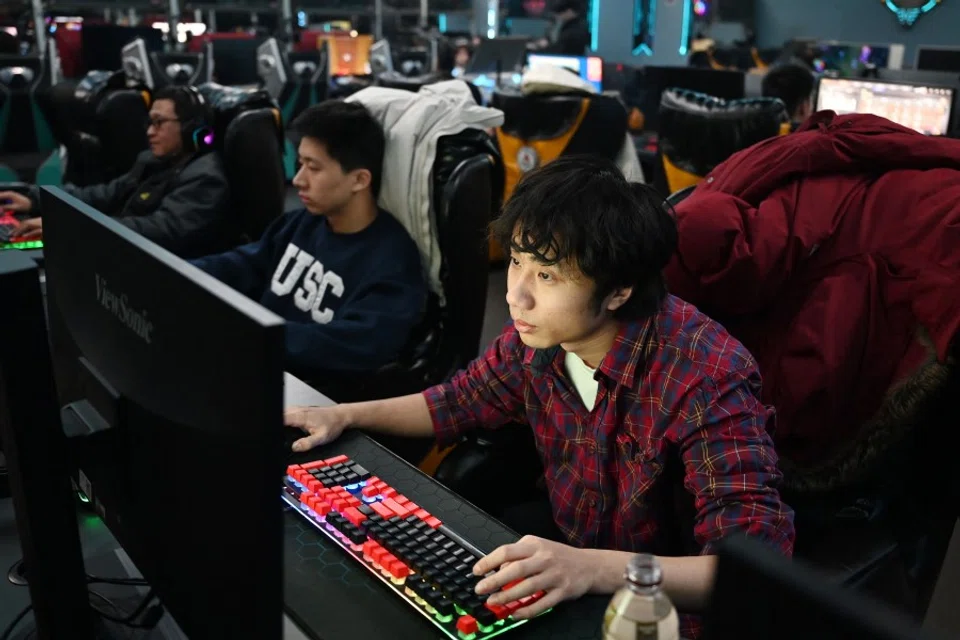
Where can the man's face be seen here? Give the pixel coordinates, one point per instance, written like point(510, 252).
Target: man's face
point(163, 130)
point(552, 305)
point(323, 186)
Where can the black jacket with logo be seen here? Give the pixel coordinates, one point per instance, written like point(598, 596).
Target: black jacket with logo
point(183, 208)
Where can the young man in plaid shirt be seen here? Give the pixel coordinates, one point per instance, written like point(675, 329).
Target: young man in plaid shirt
point(618, 380)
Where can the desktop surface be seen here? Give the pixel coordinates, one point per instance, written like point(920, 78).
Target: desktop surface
point(331, 595)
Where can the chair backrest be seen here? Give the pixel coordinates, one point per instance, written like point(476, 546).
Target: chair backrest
point(538, 129)
point(698, 132)
point(295, 80)
point(249, 136)
point(23, 125)
point(180, 68)
point(102, 123)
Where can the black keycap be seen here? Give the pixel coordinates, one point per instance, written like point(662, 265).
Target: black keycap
point(430, 559)
point(412, 520)
point(461, 581)
point(431, 546)
point(421, 540)
point(448, 545)
point(485, 617)
point(459, 552)
point(360, 472)
point(439, 537)
point(463, 569)
point(366, 510)
point(451, 561)
point(444, 607)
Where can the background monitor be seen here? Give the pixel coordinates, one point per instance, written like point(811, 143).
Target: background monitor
point(923, 108)
point(938, 59)
point(758, 594)
point(535, 28)
point(849, 59)
point(590, 68)
point(102, 44)
point(172, 387)
point(235, 60)
point(506, 55)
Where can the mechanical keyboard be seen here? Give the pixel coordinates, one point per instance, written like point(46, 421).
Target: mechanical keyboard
point(419, 558)
point(8, 222)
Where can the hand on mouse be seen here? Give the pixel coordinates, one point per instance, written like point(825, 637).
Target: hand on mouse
point(31, 229)
point(15, 202)
point(321, 424)
point(562, 571)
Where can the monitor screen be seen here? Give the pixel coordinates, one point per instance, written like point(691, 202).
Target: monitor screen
point(172, 388)
point(590, 68)
point(850, 60)
point(348, 55)
point(926, 109)
point(504, 55)
point(938, 59)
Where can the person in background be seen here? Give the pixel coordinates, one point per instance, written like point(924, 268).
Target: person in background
point(793, 83)
point(176, 194)
point(344, 274)
point(570, 35)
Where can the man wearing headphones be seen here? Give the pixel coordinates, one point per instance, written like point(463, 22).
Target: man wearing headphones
point(176, 194)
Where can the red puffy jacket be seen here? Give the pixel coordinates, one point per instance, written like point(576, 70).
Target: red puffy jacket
point(824, 252)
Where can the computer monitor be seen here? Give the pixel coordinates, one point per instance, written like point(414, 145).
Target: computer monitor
point(849, 59)
point(347, 55)
point(504, 55)
point(938, 59)
point(590, 68)
point(36, 453)
point(270, 67)
point(102, 44)
point(528, 27)
point(235, 60)
point(759, 594)
point(172, 391)
point(923, 108)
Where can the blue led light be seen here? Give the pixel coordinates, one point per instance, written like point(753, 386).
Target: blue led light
point(594, 24)
point(687, 23)
point(638, 18)
point(352, 487)
point(908, 16)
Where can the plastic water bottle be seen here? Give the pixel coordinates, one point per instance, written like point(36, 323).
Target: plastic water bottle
point(640, 609)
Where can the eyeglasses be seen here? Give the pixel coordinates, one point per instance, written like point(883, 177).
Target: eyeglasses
point(159, 121)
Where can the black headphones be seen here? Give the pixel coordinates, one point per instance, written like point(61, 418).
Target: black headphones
point(196, 131)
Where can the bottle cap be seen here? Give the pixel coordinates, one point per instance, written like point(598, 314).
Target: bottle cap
point(643, 570)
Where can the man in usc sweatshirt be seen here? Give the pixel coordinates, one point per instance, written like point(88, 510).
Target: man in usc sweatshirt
point(344, 274)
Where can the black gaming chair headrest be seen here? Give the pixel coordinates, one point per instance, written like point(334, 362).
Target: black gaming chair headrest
point(698, 132)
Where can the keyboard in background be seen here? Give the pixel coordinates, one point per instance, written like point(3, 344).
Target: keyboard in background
point(9, 222)
point(417, 556)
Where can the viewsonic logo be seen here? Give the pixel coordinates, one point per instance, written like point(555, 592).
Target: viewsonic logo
point(118, 305)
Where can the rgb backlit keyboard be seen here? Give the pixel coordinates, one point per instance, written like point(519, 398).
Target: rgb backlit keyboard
point(421, 560)
point(7, 240)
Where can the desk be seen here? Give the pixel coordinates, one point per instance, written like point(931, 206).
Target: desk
point(333, 597)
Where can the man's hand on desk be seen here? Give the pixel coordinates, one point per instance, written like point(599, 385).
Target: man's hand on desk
point(562, 571)
point(31, 229)
point(321, 424)
point(15, 202)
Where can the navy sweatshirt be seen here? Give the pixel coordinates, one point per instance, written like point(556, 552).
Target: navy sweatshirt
point(350, 300)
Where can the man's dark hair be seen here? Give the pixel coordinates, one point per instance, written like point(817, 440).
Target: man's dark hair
point(349, 133)
point(793, 83)
point(581, 210)
point(185, 106)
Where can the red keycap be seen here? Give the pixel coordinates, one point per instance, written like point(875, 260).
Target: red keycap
point(383, 486)
point(391, 504)
point(370, 491)
point(353, 515)
point(382, 510)
point(314, 485)
point(353, 502)
point(411, 507)
point(301, 476)
point(397, 569)
point(498, 610)
point(336, 460)
point(321, 507)
point(402, 499)
point(316, 464)
point(433, 522)
point(340, 504)
point(343, 493)
point(511, 585)
point(422, 514)
point(389, 492)
point(467, 625)
point(292, 468)
point(513, 606)
point(372, 480)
